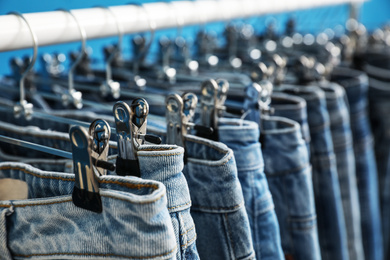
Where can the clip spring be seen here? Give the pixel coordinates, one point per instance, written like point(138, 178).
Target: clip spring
point(131, 122)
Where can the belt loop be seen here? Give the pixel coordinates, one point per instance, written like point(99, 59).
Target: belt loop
point(5, 253)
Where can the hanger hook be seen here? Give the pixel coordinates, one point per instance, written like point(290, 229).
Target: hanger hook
point(118, 49)
point(24, 106)
point(152, 28)
point(83, 35)
point(179, 18)
point(31, 65)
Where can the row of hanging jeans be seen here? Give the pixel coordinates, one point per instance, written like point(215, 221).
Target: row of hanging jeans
point(296, 178)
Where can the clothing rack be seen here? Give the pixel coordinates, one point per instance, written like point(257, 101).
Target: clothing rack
point(57, 27)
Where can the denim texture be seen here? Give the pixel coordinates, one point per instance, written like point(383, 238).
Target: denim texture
point(134, 224)
point(355, 84)
point(218, 206)
point(288, 172)
point(166, 166)
point(331, 224)
point(345, 159)
point(243, 138)
point(379, 107)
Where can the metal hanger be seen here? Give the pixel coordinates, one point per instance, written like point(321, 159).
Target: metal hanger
point(179, 114)
point(23, 107)
point(131, 122)
point(110, 85)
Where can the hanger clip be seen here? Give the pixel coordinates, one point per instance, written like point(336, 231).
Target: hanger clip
point(179, 114)
point(131, 124)
point(23, 108)
point(100, 133)
point(258, 100)
point(214, 94)
point(86, 189)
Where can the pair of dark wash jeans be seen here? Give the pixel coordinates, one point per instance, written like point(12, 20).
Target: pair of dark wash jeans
point(289, 176)
point(379, 106)
point(331, 224)
point(355, 84)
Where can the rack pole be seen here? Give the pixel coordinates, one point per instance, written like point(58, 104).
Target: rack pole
point(58, 27)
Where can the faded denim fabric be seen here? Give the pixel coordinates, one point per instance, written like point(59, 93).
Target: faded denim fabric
point(332, 231)
point(243, 138)
point(134, 224)
point(379, 107)
point(355, 84)
point(288, 172)
point(165, 166)
point(218, 206)
point(345, 158)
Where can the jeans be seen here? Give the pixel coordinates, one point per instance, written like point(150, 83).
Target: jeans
point(331, 224)
point(294, 108)
point(164, 166)
point(345, 159)
point(134, 224)
point(217, 201)
point(288, 173)
point(379, 107)
point(243, 138)
point(355, 84)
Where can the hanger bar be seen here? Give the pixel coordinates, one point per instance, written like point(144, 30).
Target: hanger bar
point(36, 147)
point(57, 27)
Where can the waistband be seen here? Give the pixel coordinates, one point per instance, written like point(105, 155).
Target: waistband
point(284, 150)
point(294, 108)
point(165, 163)
point(211, 173)
point(243, 138)
point(336, 102)
point(134, 206)
point(378, 68)
point(355, 84)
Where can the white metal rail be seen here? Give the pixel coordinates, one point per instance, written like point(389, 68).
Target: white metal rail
point(58, 27)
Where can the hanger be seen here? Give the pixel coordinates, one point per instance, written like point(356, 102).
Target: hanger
point(87, 166)
point(23, 107)
point(213, 96)
point(179, 114)
point(131, 122)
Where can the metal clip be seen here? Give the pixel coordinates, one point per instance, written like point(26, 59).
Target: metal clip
point(100, 133)
point(131, 124)
point(179, 114)
point(214, 94)
point(258, 100)
point(86, 188)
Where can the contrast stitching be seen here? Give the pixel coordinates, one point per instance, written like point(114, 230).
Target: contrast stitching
point(97, 254)
point(182, 205)
point(189, 242)
point(128, 185)
point(159, 155)
point(223, 208)
point(188, 230)
point(204, 143)
point(139, 203)
point(36, 175)
point(158, 149)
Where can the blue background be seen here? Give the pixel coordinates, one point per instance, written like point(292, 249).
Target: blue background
point(373, 14)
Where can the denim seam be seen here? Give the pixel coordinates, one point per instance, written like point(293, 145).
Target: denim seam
point(189, 242)
point(35, 134)
point(207, 144)
point(219, 208)
point(178, 206)
point(188, 230)
point(160, 155)
point(290, 171)
point(268, 209)
point(229, 234)
point(65, 201)
point(254, 168)
point(97, 254)
point(199, 161)
point(128, 185)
